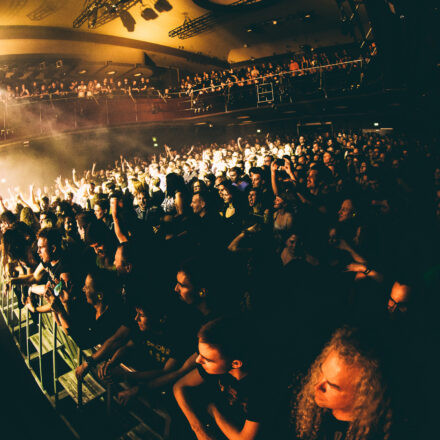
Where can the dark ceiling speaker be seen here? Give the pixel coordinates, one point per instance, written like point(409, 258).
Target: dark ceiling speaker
point(163, 6)
point(149, 14)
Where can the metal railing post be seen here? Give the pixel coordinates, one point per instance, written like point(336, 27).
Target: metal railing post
point(27, 337)
point(109, 399)
point(8, 317)
point(54, 362)
point(79, 382)
point(19, 324)
point(40, 346)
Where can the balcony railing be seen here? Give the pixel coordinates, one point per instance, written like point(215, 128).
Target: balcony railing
point(52, 356)
point(25, 118)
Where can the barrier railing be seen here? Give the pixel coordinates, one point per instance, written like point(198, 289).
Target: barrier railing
point(273, 76)
point(52, 357)
point(24, 119)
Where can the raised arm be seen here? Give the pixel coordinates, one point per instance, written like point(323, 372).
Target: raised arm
point(239, 144)
point(22, 200)
point(114, 206)
point(34, 201)
point(273, 177)
point(2, 205)
point(75, 181)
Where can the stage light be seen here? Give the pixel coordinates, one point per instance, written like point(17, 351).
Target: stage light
point(93, 16)
point(258, 131)
point(376, 124)
point(82, 72)
point(149, 14)
point(162, 6)
point(274, 22)
point(154, 139)
point(59, 64)
point(127, 20)
point(111, 72)
point(137, 74)
point(156, 145)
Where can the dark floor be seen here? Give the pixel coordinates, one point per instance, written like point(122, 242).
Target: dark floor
point(25, 413)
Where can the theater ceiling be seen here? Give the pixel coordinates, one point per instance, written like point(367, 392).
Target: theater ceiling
point(260, 28)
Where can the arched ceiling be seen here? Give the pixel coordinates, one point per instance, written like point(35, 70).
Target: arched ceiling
point(45, 26)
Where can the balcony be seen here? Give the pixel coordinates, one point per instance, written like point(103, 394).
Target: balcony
point(35, 117)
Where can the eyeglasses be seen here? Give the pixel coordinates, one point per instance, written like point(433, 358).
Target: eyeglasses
point(394, 305)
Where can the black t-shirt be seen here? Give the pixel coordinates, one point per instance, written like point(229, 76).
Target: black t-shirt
point(153, 350)
point(332, 429)
point(54, 271)
point(252, 398)
point(90, 331)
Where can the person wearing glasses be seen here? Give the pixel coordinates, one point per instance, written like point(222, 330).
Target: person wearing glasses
point(399, 298)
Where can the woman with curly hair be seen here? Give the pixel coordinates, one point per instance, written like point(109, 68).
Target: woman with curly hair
point(344, 396)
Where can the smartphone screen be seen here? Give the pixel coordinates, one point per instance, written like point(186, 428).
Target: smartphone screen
point(57, 288)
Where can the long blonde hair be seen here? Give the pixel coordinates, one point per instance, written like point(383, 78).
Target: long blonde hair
point(372, 413)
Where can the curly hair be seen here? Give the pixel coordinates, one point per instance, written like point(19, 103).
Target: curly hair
point(372, 412)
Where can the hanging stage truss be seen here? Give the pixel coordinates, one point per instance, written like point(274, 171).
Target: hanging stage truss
point(99, 12)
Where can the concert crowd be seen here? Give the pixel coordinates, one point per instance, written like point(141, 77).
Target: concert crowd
point(272, 286)
point(303, 64)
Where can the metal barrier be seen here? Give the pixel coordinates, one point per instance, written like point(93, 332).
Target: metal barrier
point(43, 334)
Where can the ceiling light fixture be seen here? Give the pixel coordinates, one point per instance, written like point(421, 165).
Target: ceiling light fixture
point(149, 14)
point(162, 6)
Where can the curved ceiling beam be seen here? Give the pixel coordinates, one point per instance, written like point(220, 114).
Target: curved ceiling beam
point(58, 33)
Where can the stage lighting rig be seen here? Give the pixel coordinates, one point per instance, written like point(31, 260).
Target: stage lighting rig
point(99, 12)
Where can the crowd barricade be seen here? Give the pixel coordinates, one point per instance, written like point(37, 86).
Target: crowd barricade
point(52, 357)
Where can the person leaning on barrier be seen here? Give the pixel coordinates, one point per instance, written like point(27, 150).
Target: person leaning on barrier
point(105, 312)
point(51, 256)
point(157, 352)
point(240, 398)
